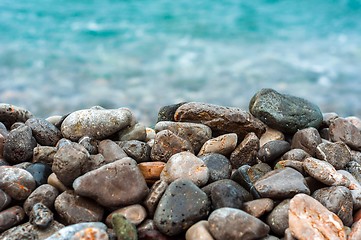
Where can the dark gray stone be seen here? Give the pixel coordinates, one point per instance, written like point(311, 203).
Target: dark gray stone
point(246, 151)
point(44, 132)
point(218, 165)
point(278, 218)
point(166, 113)
point(139, 151)
point(41, 216)
point(337, 154)
point(133, 132)
point(40, 172)
point(90, 144)
point(226, 195)
point(272, 150)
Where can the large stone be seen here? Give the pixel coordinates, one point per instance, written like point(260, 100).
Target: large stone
point(121, 183)
point(220, 119)
point(342, 130)
point(10, 114)
point(283, 112)
point(44, 132)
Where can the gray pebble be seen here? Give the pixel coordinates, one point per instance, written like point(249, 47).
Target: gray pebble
point(218, 165)
point(90, 144)
point(41, 216)
point(133, 132)
point(111, 151)
point(272, 150)
point(307, 139)
point(44, 132)
point(278, 218)
point(337, 154)
point(45, 194)
point(139, 151)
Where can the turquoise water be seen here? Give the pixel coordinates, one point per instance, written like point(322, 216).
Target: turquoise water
point(59, 56)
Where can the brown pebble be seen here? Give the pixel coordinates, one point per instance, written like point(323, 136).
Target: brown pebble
point(258, 207)
point(151, 170)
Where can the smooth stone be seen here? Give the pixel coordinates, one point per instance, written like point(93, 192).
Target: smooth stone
point(5, 200)
point(257, 171)
point(271, 135)
point(139, 151)
point(11, 217)
point(199, 231)
point(284, 112)
point(122, 184)
point(69, 161)
point(95, 123)
point(273, 150)
point(54, 181)
point(226, 195)
point(197, 134)
point(354, 168)
point(111, 151)
point(324, 172)
point(220, 119)
point(224, 144)
point(76, 209)
point(68, 232)
point(40, 216)
point(233, 224)
point(123, 228)
point(337, 199)
point(90, 144)
point(90, 233)
point(19, 145)
point(325, 134)
point(133, 132)
point(147, 224)
point(355, 188)
point(297, 165)
point(151, 170)
point(94, 162)
point(295, 154)
point(277, 220)
point(44, 194)
point(25, 182)
point(307, 139)
point(44, 132)
point(166, 113)
point(166, 144)
point(218, 165)
point(40, 172)
point(182, 205)
point(337, 154)
point(44, 154)
point(133, 213)
point(187, 166)
point(344, 131)
point(10, 114)
point(246, 151)
point(258, 207)
point(154, 196)
point(309, 219)
point(355, 233)
point(150, 134)
point(328, 118)
point(355, 121)
point(54, 119)
point(281, 184)
point(62, 142)
point(288, 235)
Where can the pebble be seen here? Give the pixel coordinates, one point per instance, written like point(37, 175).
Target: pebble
point(5, 200)
point(95, 123)
point(354, 168)
point(218, 165)
point(283, 112)
point(233, 224)
point(328, 118)
point(10, 114)
point(31, 232)
point(133, 132)
point(139, 151)
point(271, 135)
point(187, 166)
point(220, 119)
point(197, 134)
point(224, 144)
point(122, 184)
point(342, 130)
point(241, 176)
point(277, 220)
point(355, 191)
point(44, 154)
point(56, 183)
point(111, 151)
point(11, 217)
point(41, 216)
point(257, 171)
point(151, 235)
point(150, 134)
point(68, 232)
point(123, 228)
point(2, 141)
point(258, 207)
point(281, 184)
point(24, 182)
point(151, 170)
point(90, 144)
point(90, 233)
point(295, 154)
point(246, 151)
point(297, 165)
point(154, 196)
point(355, 121)
point(135, 214)
point(76, 209)
point(199, 231)
point(337, 154)
point(166, 144)
point(166, 113)
point(44, 132)
point(355, 233)
point(182, 205)
point(226, 195)
point(40, 172)
point(309, 219)
point(273, 150)
point(19, 145)
point(307, 139)
point(44, 194)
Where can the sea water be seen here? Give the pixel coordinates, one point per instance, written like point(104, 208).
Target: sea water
point(60, 56)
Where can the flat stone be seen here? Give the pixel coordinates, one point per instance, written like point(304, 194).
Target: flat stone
point(95, 123)
point(166, 113)
point(68, 232)
point(337, 154)
point(10, 114)
point(281, 184)
point(258, 207)
point(309, 219)
point(5, 200)
point(273, 150)
point(166, 144)
point(284, 112)
point(135, 214)
point(223, 144)
point(344, 131)
point(44, 154)
point(218, 165)
point(122, 184)
point(187, 166)
point(25, 182)
point(182, 205)
point(295, 154)
point(76, 209)
point(123, 228)
point(11, 217)
point(277, 220)
point(154, 196)
point(246, 151)
point(220, 119)
point(232, 224)
point(199, 231)
point(271, 135)
point(44, 132)
point(139, 151)
point(111, 151)
point(133, 132)
point(41, 216)
point(45, 194)
point(307, 139)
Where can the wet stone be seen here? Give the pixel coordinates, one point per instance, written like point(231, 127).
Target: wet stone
point(5, 200)
point(342, 130)
point(307, 139)
point(246, 151)
point(76, 209)
point(218, 165)
point(123, 228)
point(40, 172)
point(271, 135)
point(182, 205)
point(11, 217)
point(44, 132)
point(44, 194)
point(133, 213)
point(44, 154)
point(273, 150)
point(223, 144)
point(25, 182)
point(278, 218)
point(337, 154)
point(90, 144)
point(154, 196)
point(220, 119)
point(9, 114)
point(90, 233)
point(295, 154)
point(232, 224)
point(40, 216)
point(309, 219)
point(166, 144)
point(133, 132)
point(187, 166)
point(199, 231)
point(166, 113)
point(69, 231)
point(337, 199)
point(258, 207)
point(139, 151)
point(19, 145)
point(111, 151)
point(284, 112)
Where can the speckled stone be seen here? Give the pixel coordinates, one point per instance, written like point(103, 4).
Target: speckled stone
point(220, 119)
point(95, 123)
point(226, 195)
point(258, 207)
point(246, 151)
point(151, 170)
point(342, 130)
point(295, 154)
point(90, 144)
point(45, 194)
point(271, 135)
point(354, 168)
point(307, 139)
point(11, 217)
point(297, 165)
point(273, 150)
point(337, 154)
point(241, 176)
point(19, 145)
point(139, 151)
point(355, 233)
point(41, 216)
point(309, 219)
point(154, 196)
point(90, 233)
point(135, 213)
point(40, 172)
point(68, 232)
point(218, 165)
point(199, 231)
point(44, 132)
point(9, 114)
point(5, 200)
point(233, 224)
point(197, 134)
point(187, 166)
point(76, 209)
point(122, 184)
point(166, 113)
point(278, 218)
point(25, 182)
point(123, 228)
point(133, 132)
point(111, 151)
point(284, 112)
point(224, 144)
point(182, 205)
point(44, 154)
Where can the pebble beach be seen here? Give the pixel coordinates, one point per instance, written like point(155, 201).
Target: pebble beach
point(280, 169)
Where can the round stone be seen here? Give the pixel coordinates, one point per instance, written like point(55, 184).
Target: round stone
point(5, 200)
point(307, 139)
point(337, 154)
point(40, 216)
point(139, 151)
point(278, 218)
point(218, 165)
point(199, 231)
point(123, 228)
point(44, 194)
point(134, 213)
point(224, 144)
point(10, 114)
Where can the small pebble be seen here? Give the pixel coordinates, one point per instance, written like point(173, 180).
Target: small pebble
point(139, 151)
point(166, 113)
point(44, 132)
point(5, 200)
point(272, 150)
point(258, 207)
point(218, 165)
point(297, 165)
point(9, 114)
point(133, 132)
point(44, 194)
point(90, 144)
point(307, 139)
point(295, 154)
point(134, 213)
point(68, 232)
point(271, 135)
point(111, 151)
point(90, 233)
point(223, 144)
point(154, 195)
point(337, 154)
point(278, 218)
point(123, 228)
point(199, 231)
point(151, 170)
point(355, 233)
point(11, 217)
point(246, 151)
point(44, 154)
point(342, 130)
point(54, 181)
point(41, 216)
point(226, 195)
point(40, 172)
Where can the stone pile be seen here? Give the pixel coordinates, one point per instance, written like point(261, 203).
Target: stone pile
point(281, 170)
